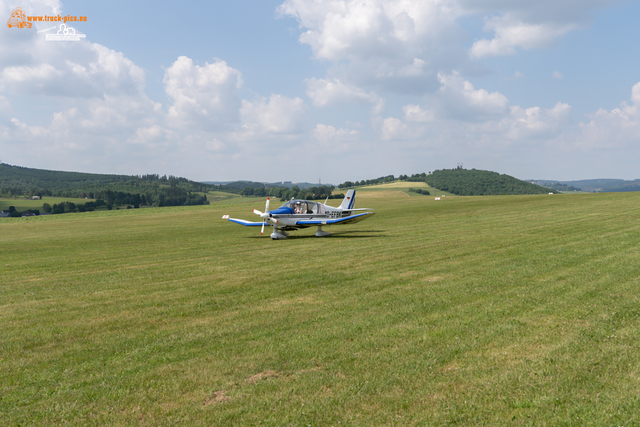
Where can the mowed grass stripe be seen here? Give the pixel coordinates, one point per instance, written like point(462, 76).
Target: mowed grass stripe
point(475, 310)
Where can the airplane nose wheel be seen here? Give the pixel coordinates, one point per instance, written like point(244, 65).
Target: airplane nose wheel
point(277, 235)
point(321, 233)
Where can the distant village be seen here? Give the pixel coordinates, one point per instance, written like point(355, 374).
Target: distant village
point(9, 213)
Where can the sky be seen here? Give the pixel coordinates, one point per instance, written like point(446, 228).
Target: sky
point(324, 90)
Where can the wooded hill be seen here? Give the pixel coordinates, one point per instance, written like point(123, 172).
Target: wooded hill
point(474, 182)
point(114, 189)
point(593, 185)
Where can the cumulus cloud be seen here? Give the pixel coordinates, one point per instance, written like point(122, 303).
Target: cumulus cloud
point(460, 100)
point(414, 113)
point(328, 140)
point(617, 128)
point(203, 96)
point(393, 128)
point(31, 65)
point(113, 115)
point(535, 122)
point(337, 29)
point(401, 46)
point(325, 92)
point(395, 44)
point(520, 24)
point(503, 125)
point(100, 110)
point(512, 33)
point(153, 136)
point(278, 114)
point(74, 70)
point(329, 134)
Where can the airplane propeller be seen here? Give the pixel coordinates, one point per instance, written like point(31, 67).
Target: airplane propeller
point(265, 215)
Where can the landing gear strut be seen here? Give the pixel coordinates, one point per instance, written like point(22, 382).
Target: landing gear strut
point(321, 233)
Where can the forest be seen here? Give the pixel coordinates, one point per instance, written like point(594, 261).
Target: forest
point(464, 182)
point(115, 190)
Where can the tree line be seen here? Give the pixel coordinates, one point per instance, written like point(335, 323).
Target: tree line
point(114, 190)
point(312, 193)
point(381, 180)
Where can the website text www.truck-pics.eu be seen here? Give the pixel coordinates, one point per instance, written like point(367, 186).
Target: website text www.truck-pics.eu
point(57, 18)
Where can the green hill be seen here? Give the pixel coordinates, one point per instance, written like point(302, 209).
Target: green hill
point(594, 185)
point(474, 182)
point(114, 189)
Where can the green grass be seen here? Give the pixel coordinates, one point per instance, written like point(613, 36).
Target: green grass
point(507, 310)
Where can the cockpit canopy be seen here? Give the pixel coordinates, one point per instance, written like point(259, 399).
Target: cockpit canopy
point(304, 207)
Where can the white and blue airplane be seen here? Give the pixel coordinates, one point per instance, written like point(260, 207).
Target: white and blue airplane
point(297, 213)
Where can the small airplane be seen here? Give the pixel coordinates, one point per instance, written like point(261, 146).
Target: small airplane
point(297, 213)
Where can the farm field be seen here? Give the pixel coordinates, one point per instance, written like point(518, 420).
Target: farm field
point(24, 205)
point(495, 310)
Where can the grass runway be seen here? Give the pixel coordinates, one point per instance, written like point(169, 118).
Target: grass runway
point(507, 310)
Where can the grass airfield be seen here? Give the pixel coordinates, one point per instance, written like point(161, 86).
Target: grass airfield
point(507, 310)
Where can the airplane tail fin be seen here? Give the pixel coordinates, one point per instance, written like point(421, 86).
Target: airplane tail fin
point(349, 200)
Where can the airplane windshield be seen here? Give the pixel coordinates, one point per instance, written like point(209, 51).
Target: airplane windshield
point(305, 207)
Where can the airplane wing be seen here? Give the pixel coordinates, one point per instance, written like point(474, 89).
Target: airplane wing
point(243, 222)
point(346, 220)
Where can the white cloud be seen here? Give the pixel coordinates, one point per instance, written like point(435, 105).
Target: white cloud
point(329, 134)
point(398, 45)
point(393, 128)
point(203, 96)
point(153, 136)
point(401, 46)
point(468, 122)
point(74, 70)
point(617, 128)
point(113, 115)
point(558, 75)
point(31, 75)
point(277, 115)
point(535, 122)
point(522, 24)
point(338, 29)
point(331, 92)
point(460, 100)
point(327, 140)
point(414, 113)
point(512, 33)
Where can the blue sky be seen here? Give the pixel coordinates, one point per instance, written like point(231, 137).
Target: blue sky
point(325, 89)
